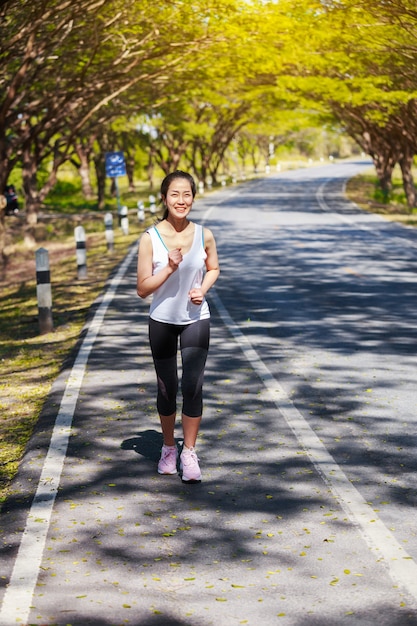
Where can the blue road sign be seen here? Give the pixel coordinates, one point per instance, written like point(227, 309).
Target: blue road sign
point(115, 164)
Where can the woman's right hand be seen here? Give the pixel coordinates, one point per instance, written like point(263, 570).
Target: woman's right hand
point(174, 258)
point(147, 281)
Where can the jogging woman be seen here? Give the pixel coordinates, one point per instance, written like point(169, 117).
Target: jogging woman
point(178, 264)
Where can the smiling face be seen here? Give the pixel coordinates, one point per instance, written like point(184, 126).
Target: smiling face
point(179, 198)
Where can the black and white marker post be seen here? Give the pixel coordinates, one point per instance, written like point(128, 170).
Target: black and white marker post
point(108, 224)
point(141, 211)
point(124, 220)
point(81, 252)
point(43, 290)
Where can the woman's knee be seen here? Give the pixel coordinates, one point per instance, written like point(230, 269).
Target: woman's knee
point(167, 381)
point(194, 360)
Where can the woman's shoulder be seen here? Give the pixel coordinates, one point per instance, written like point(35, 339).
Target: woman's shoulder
point(147, 236)
point(207, 233)
point(146, 233)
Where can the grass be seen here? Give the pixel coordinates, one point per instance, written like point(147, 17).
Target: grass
point(29, 361)
point(365, 192)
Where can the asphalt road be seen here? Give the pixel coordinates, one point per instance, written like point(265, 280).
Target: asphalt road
point(306, 512)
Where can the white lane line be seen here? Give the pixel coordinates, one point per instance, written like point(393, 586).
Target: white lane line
point(381, 541)
point(18, 596)
point(402, 241)
point(343, 218)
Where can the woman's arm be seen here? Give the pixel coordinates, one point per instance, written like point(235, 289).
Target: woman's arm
point(147, 283)
point(212, 269)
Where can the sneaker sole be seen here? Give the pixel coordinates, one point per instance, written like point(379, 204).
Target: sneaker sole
point(167, 473)
point(191, 480)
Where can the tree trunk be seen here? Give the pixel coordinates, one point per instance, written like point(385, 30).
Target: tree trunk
point(130, 171)
point(150, 169)
point(84, 170)
point(30, 188)
point(384, 166)
point(99, 163)
point(3, 257)
point(406, 163)
point(34, 196)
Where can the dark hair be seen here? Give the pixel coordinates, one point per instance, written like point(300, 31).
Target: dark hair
point(168, 180)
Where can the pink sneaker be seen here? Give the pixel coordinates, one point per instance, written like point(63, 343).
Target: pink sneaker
point(168, 461)
point(189, 465)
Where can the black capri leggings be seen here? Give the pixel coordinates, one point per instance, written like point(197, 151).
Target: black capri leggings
point(194, 344)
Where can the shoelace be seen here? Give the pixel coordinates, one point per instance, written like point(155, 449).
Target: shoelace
point(190, 457)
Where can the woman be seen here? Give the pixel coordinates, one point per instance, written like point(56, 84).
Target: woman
point(178, 264)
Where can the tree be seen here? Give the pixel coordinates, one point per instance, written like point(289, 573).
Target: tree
point(69, 60)
point(355, 61)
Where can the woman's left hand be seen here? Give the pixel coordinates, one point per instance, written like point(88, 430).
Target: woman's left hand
point(196, 295)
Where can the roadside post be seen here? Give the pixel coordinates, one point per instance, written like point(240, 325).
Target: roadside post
point(124, 220)
point(115, 167)
point(81, 252)
point(43, 290)
point(141, 211)
point(108, 224)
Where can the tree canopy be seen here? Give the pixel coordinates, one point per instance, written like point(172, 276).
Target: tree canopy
point(190, 76)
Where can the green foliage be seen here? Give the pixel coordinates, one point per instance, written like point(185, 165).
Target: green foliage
point(63, 189)
point(200, 74)
point(366, 191)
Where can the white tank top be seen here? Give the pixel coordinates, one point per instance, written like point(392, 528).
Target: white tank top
point(171, 302)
